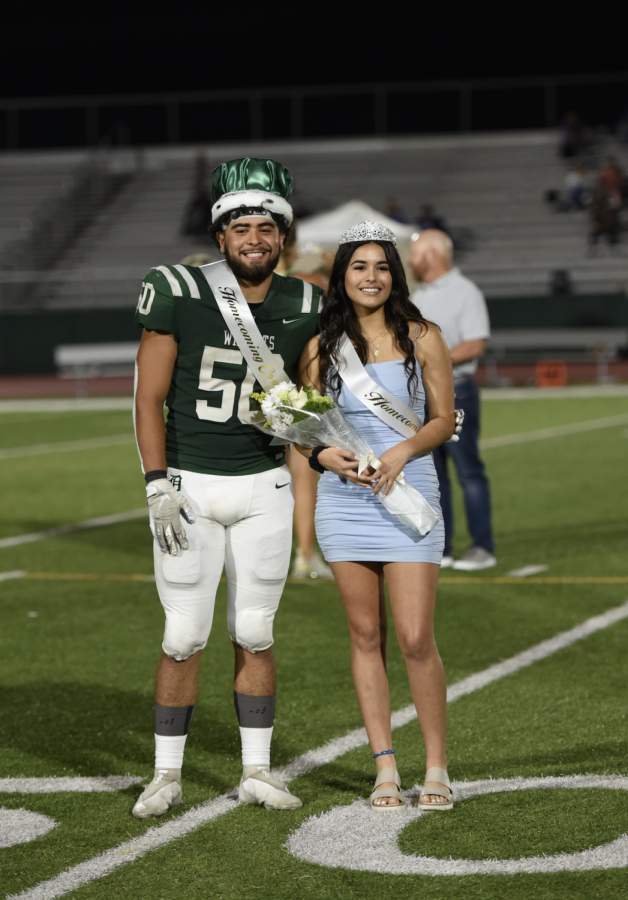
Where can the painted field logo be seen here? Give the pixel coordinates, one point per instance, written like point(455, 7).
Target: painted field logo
point(368, 843)
point(19, 826)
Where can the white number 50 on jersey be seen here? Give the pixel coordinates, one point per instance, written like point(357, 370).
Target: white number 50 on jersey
point(208, 382)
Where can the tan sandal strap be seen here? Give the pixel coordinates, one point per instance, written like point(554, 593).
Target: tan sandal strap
point(388, 775)
point(426, 792)
point(388, 792)
point(439, 775)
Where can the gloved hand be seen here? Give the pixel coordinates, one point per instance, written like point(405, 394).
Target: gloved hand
point(459, 414)
point(165, 508)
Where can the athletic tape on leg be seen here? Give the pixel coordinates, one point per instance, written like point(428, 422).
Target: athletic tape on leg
point(172, 721)
point(254, 712)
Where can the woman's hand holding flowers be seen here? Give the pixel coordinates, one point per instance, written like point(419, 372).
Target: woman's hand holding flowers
point(345, 464)
point(394, 461)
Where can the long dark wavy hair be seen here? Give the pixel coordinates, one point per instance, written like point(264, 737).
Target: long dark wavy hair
point(338, 317)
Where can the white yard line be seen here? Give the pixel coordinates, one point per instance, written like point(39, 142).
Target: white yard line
point(58, 404)
point(95, 443)
point(89, 404)
point(574, 390)
point(526, 571)
point(79, 784)
point(159, 835)
point(505, 440)
point(9, 576)
point(67, 529)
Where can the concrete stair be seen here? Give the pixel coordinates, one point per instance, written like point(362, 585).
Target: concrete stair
point(491, 185)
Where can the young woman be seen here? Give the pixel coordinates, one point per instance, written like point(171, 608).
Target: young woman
point(368, 301)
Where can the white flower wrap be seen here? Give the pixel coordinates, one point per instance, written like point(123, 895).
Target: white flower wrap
point(332, 429)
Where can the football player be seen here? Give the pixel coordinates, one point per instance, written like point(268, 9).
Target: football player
point(212, 468)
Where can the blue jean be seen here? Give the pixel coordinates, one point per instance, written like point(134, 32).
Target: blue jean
point(470, 471)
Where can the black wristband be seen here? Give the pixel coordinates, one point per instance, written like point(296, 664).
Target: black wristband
point(313, 460)
point(154, 475)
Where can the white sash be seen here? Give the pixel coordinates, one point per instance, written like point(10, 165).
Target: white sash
point(390, 409)
point(267, 367)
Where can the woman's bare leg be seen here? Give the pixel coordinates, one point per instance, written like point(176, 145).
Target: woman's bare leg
point(412, 588)
point(362, 590)
point(305, 480)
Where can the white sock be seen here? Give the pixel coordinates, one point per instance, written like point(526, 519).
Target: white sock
point(169, 751)
point(256, 746)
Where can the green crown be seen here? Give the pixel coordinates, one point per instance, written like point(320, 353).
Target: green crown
point(249, 174)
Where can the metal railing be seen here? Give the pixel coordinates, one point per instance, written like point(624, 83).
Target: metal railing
point(253, 112)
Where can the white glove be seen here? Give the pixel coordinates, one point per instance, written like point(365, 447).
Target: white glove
point(165, 508)
point(459, 414)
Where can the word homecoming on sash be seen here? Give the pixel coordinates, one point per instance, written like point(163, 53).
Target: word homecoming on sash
point(262, 362)
point(229, 295)
point(377, 400)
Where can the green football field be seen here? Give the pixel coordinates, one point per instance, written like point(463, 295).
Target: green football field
point(80, 638)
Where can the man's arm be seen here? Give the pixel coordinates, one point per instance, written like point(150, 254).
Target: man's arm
point(467, 350)
point(155, 364)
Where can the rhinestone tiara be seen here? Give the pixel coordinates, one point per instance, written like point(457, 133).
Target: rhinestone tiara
point(368, 231)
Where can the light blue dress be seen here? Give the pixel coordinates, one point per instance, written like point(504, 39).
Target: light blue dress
point(352, 524)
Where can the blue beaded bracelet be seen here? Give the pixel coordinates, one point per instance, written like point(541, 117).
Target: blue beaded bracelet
point(383, 753)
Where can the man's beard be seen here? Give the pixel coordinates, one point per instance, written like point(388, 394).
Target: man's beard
point(254, 272)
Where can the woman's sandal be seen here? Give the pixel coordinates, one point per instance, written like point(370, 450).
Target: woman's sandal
point(393, 793)
point(440, 776)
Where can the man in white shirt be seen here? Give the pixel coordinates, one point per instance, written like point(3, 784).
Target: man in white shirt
point(458, 307)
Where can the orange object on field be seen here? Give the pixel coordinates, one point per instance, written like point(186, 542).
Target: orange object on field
point(551, 373)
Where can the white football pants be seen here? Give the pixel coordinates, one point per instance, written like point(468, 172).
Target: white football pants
point(244, 525)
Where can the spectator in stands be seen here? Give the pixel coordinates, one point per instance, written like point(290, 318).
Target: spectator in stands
point(289, 254)
point(428, 219)
point(300, 205)
point(394, 211)
point(611, 181)
point(622, 126)
point(576, 194)
point(571, 140)
point(198, 259)
point(458, 307)
point(198, 214)
point(603, 218)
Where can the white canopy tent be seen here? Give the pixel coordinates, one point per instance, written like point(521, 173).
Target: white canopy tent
point(324, 230)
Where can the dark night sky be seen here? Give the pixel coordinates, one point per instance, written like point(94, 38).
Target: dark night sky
point(99, 48)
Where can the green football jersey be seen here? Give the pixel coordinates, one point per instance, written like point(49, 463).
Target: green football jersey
point(210, 393)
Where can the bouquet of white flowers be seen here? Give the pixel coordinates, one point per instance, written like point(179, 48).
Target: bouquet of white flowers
point(308, 418)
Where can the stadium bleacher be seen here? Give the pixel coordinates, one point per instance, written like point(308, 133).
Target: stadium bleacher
point(27, 182)
point(490, 185)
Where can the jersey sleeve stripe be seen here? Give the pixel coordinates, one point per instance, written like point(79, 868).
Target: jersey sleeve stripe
point(172, 281)
point(307, 297)
point(194, 291)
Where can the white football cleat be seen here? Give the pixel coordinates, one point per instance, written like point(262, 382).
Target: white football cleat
point(475, 559)
point(162, 794)
point(259, 788)
point(315, 567)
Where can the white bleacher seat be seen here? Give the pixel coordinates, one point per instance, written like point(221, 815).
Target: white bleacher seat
point(90, 360)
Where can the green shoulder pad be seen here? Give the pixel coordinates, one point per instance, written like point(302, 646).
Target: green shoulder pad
point(156, 306)
point(305, 293)
point(174, 281)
